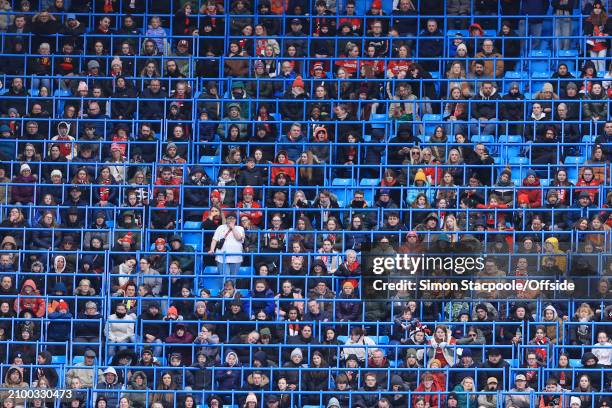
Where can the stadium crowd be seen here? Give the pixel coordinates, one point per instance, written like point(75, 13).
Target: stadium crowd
point(189, 191)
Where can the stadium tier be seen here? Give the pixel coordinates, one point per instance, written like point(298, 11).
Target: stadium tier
point(300, 204)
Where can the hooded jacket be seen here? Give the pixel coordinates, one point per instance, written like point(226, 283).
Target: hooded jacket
point(138, 399)
point(34, 302)
point(109, 390)
point(485, 106)
point(17, 384)
point(553, 328)
point(595, 105)
point(228, 376)
point(560, 260)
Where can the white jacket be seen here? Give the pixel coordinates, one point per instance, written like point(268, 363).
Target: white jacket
point(118, 331)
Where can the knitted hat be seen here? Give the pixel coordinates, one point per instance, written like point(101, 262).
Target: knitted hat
point(420, 176)
point(298, 82)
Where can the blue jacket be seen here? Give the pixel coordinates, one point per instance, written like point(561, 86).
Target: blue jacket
point(293, 148)
point(228, 378)
point(59, 330)
point(267, 306)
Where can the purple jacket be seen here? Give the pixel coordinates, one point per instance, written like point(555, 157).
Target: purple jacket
point(23, 193)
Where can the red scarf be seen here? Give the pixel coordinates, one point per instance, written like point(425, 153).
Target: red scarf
point(104, 191)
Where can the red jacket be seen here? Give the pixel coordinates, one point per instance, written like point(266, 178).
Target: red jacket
point(430, 399)
point(254, 216)
point(534, 193)
point(173, 182)
point(35, 303)
point(592, 191)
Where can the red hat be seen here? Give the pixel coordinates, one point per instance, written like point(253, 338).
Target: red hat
point(298, 82)
point(376, 4)
point(127, 238)
point(62, 305)
point(172, 311)
point(160, 241)
point(523, 199)
point(352, 282)
point(215, 194)
point(248, 190)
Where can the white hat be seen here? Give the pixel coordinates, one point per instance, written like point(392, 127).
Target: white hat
point(23, 167)
point(56, 172)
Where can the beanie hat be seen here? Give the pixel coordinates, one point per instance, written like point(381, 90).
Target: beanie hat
point(298, 82)
point(462, 47)
point(523, 199)
point(24, 167)
point(420, 176)
point(172, 311)
point(296, 352)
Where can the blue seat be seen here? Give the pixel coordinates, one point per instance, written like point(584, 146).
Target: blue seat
point(573, 163)
point(510, 145)
point(453, 33)
point(538, 79)
point(369, 182)
point(212, 282)
point(195, 239)
point(518, 167)
point(430, 122)
point(379, 120)
point(539, 60)
point(211, 270)
point(78, 359)
point(58, 359)
point(574, 160)
point(587, 145)
point(514, 76)
point(568, 57)
point(245, 271)
point(193, 225)
point(210, 165)
point(342, 182)
point(575, 362)
point(343, 195)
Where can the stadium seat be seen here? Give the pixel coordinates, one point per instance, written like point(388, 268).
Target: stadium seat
point(510, 145)
point(192, 225)
point(518, 167)
point(210, 164)
point(75, 143)
point(430, 122)
point(379, 120)
point(568, 57)
point(539, 60)
point(538, 80)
